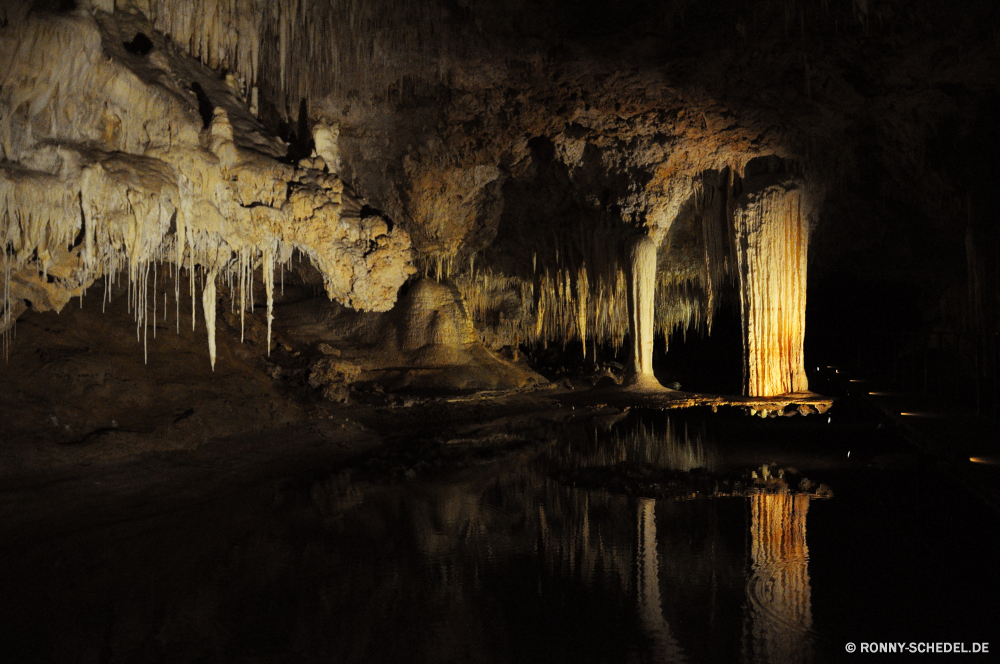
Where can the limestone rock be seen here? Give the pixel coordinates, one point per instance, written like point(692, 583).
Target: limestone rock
point(110, 161)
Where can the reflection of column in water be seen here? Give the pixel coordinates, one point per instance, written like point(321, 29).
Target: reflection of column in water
point(675, 448)
point(666, 648)
point(779, 616)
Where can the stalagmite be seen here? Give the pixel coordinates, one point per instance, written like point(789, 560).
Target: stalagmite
point(772, 238)
point(326, 140)
point(582, 288)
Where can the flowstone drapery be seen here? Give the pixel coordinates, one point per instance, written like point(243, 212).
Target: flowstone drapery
point(772, 238)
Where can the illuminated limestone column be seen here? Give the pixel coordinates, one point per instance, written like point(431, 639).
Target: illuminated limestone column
point(641, 291)
point(772, 239)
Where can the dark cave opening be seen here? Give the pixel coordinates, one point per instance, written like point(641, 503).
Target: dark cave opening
point(205, 107)
point(139, 45)
point(704, 362)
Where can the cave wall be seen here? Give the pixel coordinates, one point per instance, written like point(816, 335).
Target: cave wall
point(521, 150)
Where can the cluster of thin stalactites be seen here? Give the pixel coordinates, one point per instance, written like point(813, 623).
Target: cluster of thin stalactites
point(204, 266)
point(561, 300)
point(566, 305)
point(576, 285)
point(350, 44)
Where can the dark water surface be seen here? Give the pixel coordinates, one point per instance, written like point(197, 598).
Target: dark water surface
point(508, 561)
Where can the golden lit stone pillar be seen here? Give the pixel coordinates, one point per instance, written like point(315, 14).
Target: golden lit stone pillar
point(772, 239)
point(779, 592)
point(641, 292)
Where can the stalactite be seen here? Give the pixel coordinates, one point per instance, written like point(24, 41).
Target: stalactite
point(268, 270)
point(8, 318)
point(155, 270)
point(208, 303)
point(144, 315)
point(242, 262)
point(192, 276)
point(716, 237)
point(124, 182)
point(351, 45)
point(582, 288)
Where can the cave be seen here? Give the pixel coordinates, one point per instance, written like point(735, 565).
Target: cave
point(501, 331)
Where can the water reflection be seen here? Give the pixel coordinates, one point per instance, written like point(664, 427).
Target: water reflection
point(666, 648)
point(499, 563)
point(670, 444)
point(713, 579)
point(779, 615)
point(778, 608)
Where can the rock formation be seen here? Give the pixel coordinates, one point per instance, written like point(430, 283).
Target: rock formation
point(772, 236)
point(113, 162)
point(426, 342)
point(519, 162)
